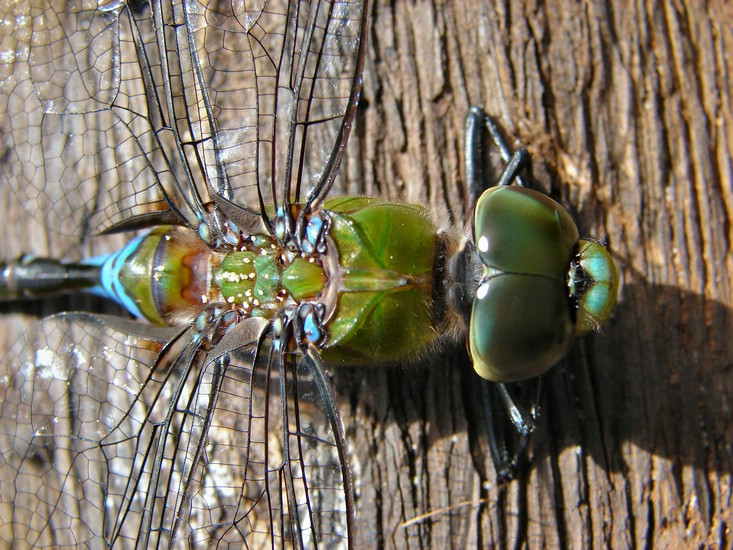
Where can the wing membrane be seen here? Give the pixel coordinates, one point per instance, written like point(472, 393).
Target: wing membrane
point(115, 433)
point(268, 96)
point(270, 472)
point(99, 445)
point(133, 111)
point(82, 153)
point(74, 422)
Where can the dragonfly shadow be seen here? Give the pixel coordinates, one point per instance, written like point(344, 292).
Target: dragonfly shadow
point(617, 399)
point(661, 367)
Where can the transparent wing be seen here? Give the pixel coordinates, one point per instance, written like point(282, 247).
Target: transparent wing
point(110, 111)
point(112, 438)
point(263, 95)
point(81, 147)
point(75, 421)
point(273, 471)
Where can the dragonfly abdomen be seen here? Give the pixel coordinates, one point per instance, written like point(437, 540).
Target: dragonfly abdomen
point(31, 277)
point(162, 276)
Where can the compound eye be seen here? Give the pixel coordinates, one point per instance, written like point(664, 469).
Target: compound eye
point(519, 230)
point(520, 327)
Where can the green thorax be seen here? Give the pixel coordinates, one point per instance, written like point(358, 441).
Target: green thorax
point(376, 279)
point(260, 280)
point(383, 280)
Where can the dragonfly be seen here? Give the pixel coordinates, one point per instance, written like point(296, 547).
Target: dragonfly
point(222, 128)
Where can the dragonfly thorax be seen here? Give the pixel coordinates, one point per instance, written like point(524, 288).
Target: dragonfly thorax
point(363, 291)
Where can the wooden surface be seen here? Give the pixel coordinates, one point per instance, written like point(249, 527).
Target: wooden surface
point(626, 109)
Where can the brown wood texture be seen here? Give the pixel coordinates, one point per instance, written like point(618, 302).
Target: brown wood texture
point(626, 109)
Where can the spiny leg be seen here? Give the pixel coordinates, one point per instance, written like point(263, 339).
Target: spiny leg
point(475, 155)
point(522, 420)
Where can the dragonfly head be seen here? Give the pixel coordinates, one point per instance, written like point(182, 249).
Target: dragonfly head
point(537, 287)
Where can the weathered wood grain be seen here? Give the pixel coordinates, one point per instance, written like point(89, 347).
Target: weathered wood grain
point(627, 110)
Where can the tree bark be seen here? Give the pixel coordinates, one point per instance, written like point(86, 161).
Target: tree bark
point(626, 109)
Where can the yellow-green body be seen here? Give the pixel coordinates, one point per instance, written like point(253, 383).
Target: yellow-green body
point(375, 278)
point(386, 256)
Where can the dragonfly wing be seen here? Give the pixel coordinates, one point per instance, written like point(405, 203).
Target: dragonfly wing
point(76, 418)
point(81, 150)
point(164, 106)
point(115, 433)
point(269, 95)
point(268, 468)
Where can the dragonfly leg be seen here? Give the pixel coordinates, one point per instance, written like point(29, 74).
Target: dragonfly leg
point(285, 228)
point(522, 420)
point(311, 233)
point(308, 324)
point(212, 324)
point(519, 161)
point(301, 325)
point(477, 121)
